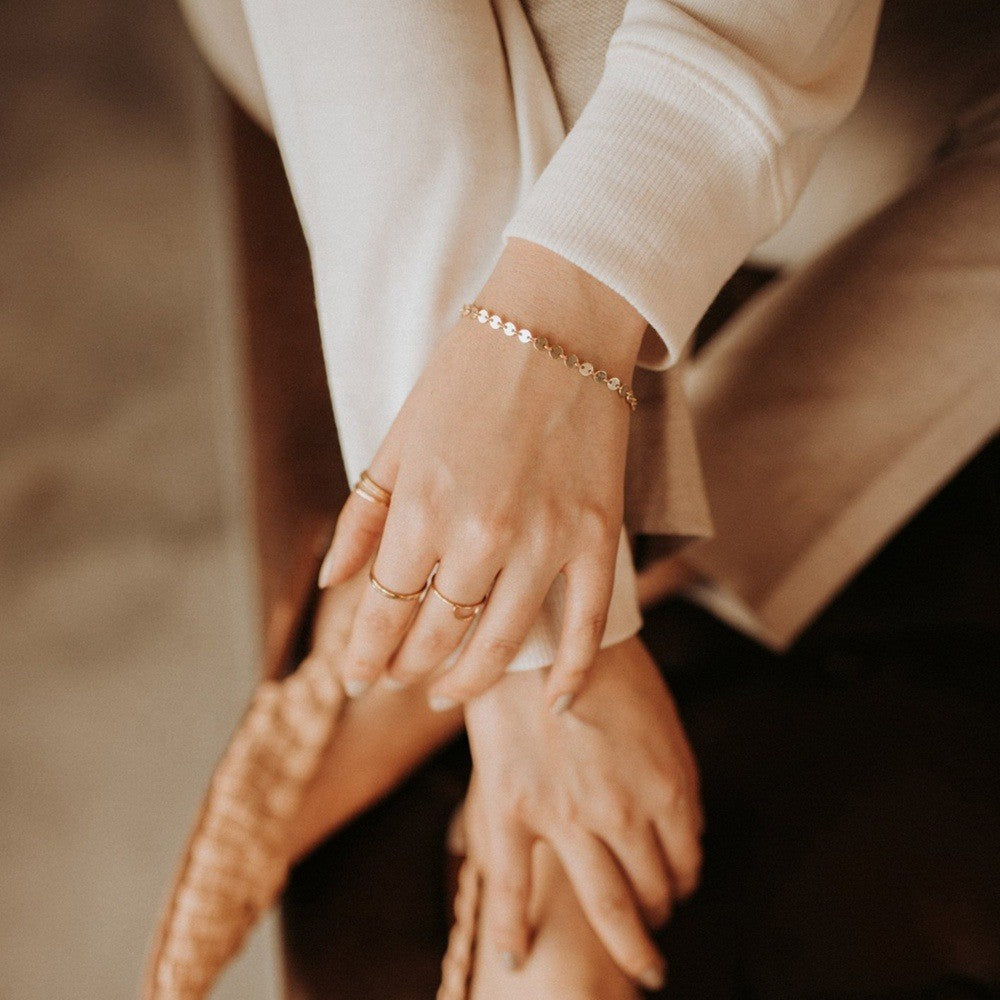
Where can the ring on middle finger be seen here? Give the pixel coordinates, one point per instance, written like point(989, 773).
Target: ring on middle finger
point(463, 612)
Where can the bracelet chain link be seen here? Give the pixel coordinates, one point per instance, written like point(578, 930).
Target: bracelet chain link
point(554, 351)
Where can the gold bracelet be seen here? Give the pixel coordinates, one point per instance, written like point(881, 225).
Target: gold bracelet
point(554, 351)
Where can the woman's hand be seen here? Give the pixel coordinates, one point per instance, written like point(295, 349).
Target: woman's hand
point(506, 468)
point(611, 786)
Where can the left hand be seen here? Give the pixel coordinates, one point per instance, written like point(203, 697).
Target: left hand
point(611, 786)
point(506, 468)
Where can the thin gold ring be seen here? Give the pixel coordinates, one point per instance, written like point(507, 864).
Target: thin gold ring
point(362, 491)
point(394, 594)
point(463, 612)
point(367, 487)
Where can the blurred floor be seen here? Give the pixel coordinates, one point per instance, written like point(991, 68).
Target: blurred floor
point(127, 619)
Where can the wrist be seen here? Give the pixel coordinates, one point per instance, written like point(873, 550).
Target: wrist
point(553, 297)
point(516, 693)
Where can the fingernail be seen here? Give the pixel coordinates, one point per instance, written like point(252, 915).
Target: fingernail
point(393, 683)
point(561, 703)
point(510, 961)
point(326, 570)
point(442, 703)
point(653, 978)
point(355, 688)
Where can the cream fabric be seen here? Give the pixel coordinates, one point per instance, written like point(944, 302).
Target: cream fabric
point(647, 134)
point(403, 182)
point(706, 123)
point(405, 174)
point(842, 398)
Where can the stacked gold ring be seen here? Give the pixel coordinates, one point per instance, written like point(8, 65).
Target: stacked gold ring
point(371, 491)
point(463, 612)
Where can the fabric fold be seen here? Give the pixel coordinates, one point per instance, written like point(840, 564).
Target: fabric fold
point(404, 170)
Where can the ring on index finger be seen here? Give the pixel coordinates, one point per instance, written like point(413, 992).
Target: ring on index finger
point(367, 488)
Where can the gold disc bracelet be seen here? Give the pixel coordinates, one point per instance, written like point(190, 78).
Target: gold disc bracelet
point(554, 351)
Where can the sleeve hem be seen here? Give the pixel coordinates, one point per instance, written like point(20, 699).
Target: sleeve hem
point(659, 191)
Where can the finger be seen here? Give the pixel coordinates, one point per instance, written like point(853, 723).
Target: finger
point(507, 893)
point(641, 856)
point(685, 754)
point(355, 539)
point(693, 779)
point(438, 629)
point(512, 608)
point(404, 561)
point(678, 827)
point(609, 906)
point(362, 518)
point(588, 595)
point(334, 617)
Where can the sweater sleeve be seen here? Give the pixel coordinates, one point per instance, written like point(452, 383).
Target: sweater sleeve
point(701, 134)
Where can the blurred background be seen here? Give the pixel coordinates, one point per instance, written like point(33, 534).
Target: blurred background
point(155, 305)
point(127, 601)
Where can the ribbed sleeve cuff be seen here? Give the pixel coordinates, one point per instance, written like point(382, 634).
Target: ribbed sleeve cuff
point(660, 190)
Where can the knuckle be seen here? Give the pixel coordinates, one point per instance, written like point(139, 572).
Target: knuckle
point(416, 516)
point(485, 535)
point(431, 643)
point(499, 648)
point(598, 522)
point(491, 529)
point(376, 620)
point(619, 814)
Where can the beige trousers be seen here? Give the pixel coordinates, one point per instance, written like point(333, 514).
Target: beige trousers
point(844, 395)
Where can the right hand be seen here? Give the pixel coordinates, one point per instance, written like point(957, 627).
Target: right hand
point(506, 469)
point(612, 786)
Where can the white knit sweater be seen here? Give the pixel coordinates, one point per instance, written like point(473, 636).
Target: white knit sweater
point(419, 134)
point(695, 144)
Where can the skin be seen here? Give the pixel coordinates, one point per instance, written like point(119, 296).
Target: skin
point(506, 469)
point(615, 775)
point(567, 959)
point(612, 787)
point(361, 765)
